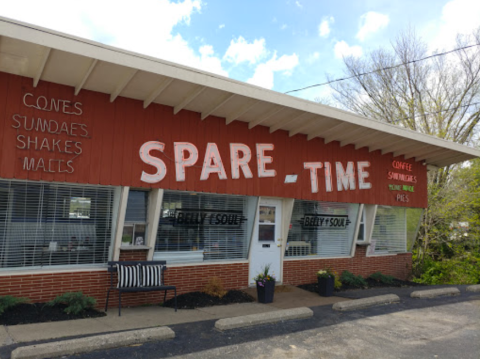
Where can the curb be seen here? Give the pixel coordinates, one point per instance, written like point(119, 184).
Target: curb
point(473, 288)
point(432, 293)
point(366, 302)
point(89, 344)
point(263, 318)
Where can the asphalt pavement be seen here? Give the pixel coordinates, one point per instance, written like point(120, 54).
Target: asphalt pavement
point(443, 327)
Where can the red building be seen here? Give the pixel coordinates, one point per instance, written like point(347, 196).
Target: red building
point(112, 155)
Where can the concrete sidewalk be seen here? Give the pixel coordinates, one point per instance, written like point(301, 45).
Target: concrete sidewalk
point(286, 297)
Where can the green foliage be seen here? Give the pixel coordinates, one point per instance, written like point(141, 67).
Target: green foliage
point(76, 302)
point(352, 279)
point(456, 270)
point(447, 250)
point(382, 278)
point(265, 275)
point(338, 283)
point(8, 301)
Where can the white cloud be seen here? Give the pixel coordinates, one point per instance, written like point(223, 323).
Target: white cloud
point(283, 27)
point(298, 4)
point(147, 29)
point(458, 17)
point(221, 26)
point(242, 51)
point(342, 49)
point(264, 73)
point(324, 27)
point(370, 23)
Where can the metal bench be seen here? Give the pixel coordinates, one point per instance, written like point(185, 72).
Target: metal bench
point(112, 268)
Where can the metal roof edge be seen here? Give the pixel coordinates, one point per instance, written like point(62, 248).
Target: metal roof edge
point(95, 50)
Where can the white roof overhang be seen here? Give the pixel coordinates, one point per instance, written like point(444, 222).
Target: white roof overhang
point(43, 54)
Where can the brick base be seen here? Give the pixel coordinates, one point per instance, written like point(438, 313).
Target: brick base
point(45, 287)
point(297, 272)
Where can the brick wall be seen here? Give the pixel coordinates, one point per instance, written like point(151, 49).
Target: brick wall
point(45, 287)
point(297, 272)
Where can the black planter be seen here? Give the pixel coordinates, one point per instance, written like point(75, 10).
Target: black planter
point(265, 293)
point(325, 286)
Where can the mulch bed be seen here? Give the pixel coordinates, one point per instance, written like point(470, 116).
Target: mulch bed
point(313, 287)
point(25, 313)
point(199, 299)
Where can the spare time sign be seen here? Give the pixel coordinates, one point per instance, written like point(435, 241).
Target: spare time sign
point(338, 176)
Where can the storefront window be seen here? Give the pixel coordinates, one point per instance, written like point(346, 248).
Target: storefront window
point(197, 227)
point(323, 229)
point(134, 229)
point(361, 227)
point(393, 226)
point(47, 224)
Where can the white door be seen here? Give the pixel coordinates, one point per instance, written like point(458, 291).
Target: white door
point(267, 242)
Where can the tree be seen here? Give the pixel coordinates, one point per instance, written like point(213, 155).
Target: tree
point(438, 96)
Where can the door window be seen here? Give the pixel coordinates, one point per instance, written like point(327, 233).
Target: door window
point(266, 228)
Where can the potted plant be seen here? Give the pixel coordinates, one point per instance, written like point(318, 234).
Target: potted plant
point(326, 282)
point(265, 285)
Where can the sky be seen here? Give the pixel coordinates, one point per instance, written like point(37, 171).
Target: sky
point(280, 45)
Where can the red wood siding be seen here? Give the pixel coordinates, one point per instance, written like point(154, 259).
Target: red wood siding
point(117, 130)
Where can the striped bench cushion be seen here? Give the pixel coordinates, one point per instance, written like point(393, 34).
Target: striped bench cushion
point(128, 276)
point(151, 276)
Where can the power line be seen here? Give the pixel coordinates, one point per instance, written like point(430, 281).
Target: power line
point(384, 68)
point(434, 113)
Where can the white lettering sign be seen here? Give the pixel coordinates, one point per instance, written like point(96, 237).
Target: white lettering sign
point(44, 104)
point(186, 155)
point(345, 177)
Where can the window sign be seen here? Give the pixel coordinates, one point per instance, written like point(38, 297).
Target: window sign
point(322, 221)
point(183, 217)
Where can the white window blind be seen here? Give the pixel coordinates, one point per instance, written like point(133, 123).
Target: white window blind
point(198, 227)
point(389, 231)
point(323, 229)
point(46, 224)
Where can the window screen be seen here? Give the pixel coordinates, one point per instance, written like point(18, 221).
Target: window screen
point(135, 226)
point(389, 231)
point(323, 229)
point(204, 227)
point(46, 224)
point(136, 206)
point(361, 227)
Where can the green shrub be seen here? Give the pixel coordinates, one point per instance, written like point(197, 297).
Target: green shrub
point(458, 270)
point(8, 301)
point(382, 278)
point(352, 279)
point(338, 283)
point(76, 302)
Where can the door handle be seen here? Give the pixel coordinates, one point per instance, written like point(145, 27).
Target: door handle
point(279, 245)
point(279, 240)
